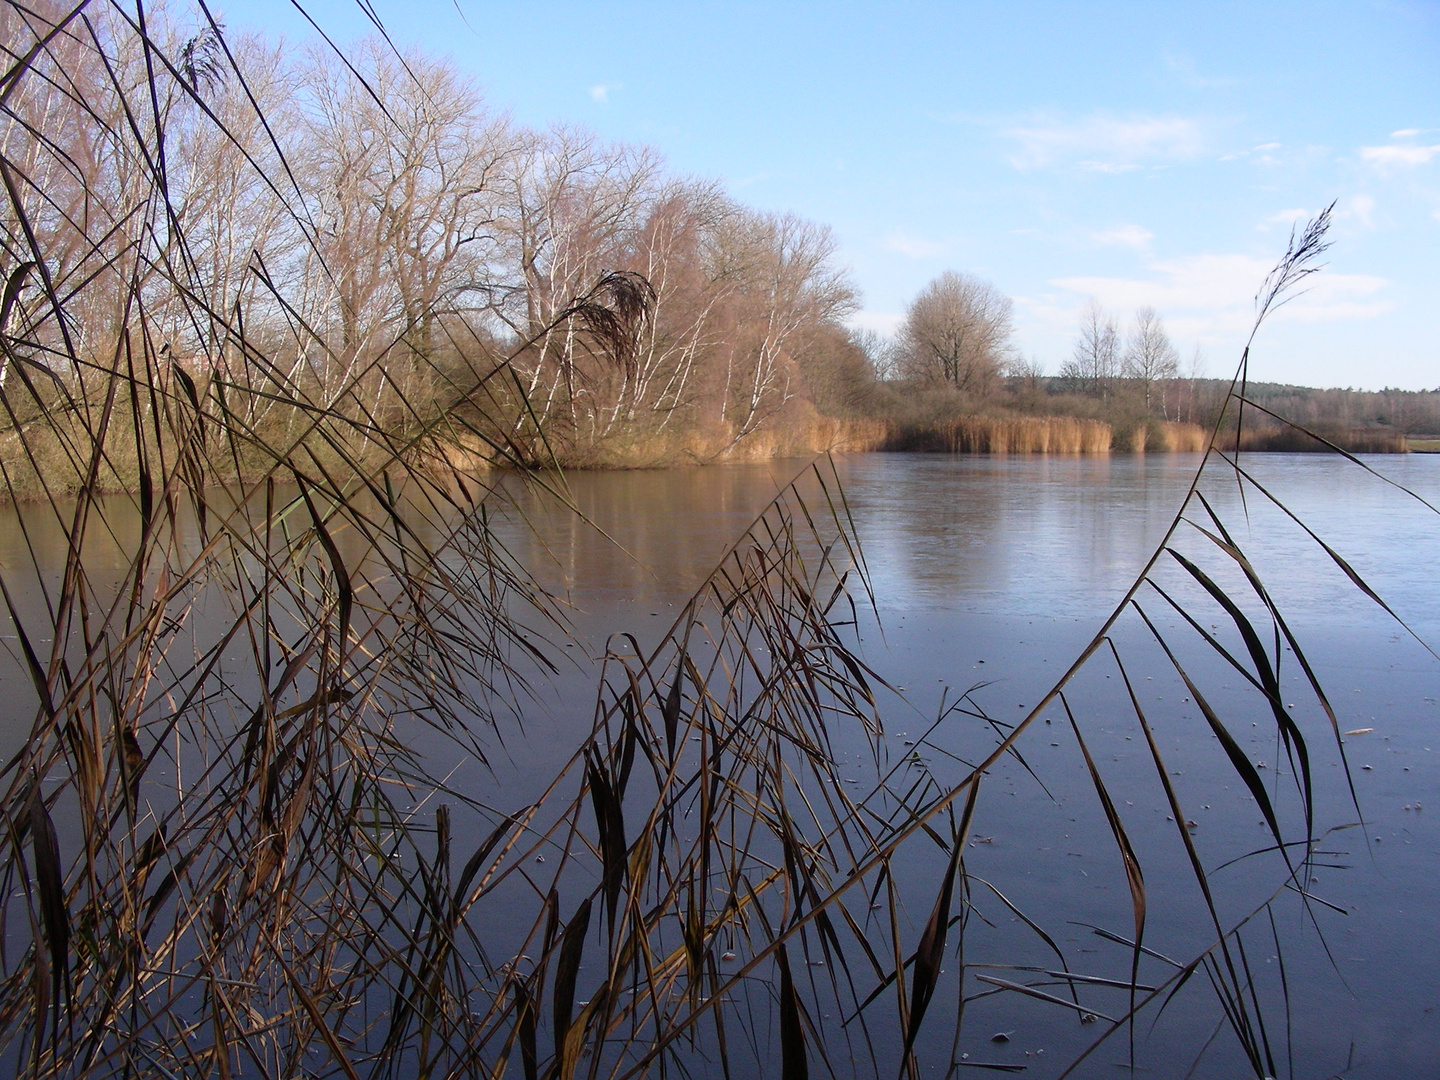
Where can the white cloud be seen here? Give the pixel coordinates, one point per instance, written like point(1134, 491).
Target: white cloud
point(1113, 168)
point(1105, 143)
point(882, 322)
point(1384, 156)
point(600, 92)
point(1200, 281)
point(1131, 236)
point(1214, 294)
point(1261, 153)
point(1359, 207)
point(1287, 218)
point(1405, 133)
point(912, 247)
point(1333, 311)
point(1058, 313)
point(1184, 67)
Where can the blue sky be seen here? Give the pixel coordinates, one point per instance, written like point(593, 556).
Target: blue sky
point(1141, 153)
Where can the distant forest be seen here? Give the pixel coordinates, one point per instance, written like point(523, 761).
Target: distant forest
point(1379, 421)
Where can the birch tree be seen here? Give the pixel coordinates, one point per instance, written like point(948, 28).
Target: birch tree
point(786, 280)
point(1149, 355)
point(1095, 362)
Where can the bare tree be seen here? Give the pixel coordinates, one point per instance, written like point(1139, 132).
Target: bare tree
point(671, 253)
point(1027, 380)
point(573, 208)
point(957, 331)
point(786, 284)
point(1149, 355)
point(1095, 362)
point(1188, 386)
point(879, 350)
point(405, 193)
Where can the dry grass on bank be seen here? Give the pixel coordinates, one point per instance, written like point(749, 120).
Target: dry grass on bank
point(1005, 435)
point(812, 434)
point(1292, 440)
point(1168, 437)
point(800, 431)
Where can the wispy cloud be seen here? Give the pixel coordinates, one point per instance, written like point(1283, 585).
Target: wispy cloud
point(1262, 153)
point(600, 92)
point(1361, 208)
point(912, 247)
point(1393, 155)
point(1286, 218)
point(1111, 168)
point(1357, 208)
point(1131, 236)
point(1189, 74)
point(1104, 143)
point(1209, 294)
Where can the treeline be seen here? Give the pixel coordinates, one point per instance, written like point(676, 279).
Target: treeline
point(1180, 415)
point(953, 361)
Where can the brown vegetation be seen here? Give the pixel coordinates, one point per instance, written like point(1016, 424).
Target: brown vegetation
point(1009, 435)
point(1294, 440)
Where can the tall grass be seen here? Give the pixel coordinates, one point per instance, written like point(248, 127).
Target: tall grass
point(237, 838)
point(798, 431)
point(1166, 436)
point(1006, 435)
point(1288, 439)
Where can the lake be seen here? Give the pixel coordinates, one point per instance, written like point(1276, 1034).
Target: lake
point(994, 573)
point(987, 577)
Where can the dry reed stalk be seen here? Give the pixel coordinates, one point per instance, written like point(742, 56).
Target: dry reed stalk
point(1182, 438)
point(1286, 439)
point(1006, 435)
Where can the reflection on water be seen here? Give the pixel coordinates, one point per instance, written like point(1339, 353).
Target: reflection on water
point(1001, 534)
point(1011, 535)
point(1048, 536)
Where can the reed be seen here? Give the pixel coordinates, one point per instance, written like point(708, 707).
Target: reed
point(801, 432)
point(1292, 440)
point(1005, 435)
point(1166, 436)
point(237, 841)
point(1182, 438)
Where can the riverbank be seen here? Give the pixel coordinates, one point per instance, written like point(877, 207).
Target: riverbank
point(42, 463)
point(810, 433)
